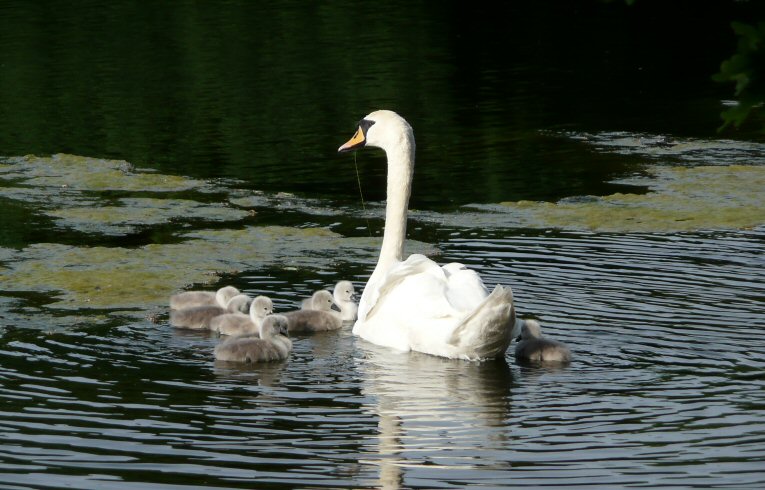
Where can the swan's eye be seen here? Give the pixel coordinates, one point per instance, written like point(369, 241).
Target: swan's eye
point(365, 124)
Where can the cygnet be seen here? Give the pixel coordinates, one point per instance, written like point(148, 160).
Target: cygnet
point(532, 347)
point(344, 296)
point(319, 318)
point(189, 299)
point(199, 317)
point(273, 344)
point(241, 324)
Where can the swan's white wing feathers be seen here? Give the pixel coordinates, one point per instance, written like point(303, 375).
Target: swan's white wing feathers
point(421, 306)
point(488, 330)
point(465, 289)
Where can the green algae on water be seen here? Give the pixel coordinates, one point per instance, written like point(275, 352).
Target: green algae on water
point(144, 277)
point(91, 174)
point(681, 199)
point(133, 212)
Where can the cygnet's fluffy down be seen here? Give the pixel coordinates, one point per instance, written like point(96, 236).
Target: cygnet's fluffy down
point(189, 299)
point(241, 324)
point(273, 344)
point(199, 317)
point(344, 296)
point(532, 347)
point(319, 318)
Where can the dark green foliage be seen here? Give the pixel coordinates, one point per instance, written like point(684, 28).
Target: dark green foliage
point(746, 69)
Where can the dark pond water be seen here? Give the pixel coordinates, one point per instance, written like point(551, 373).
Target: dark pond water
point(566, 149)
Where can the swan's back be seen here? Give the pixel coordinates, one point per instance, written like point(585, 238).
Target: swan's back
point(414, 310)
point(273, 345)
point(534, 348)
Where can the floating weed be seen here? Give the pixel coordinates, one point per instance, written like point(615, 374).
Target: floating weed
point(132, 212)
point(144, 277)
point(92, 174)
point(681, 199)
point(70, 189)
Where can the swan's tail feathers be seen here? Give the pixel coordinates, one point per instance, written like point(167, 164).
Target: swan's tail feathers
point(487, 332)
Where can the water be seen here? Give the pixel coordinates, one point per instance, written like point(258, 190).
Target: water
point(587, 176)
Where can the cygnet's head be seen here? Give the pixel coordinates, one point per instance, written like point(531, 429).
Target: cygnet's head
point(261, 307)
point(382, 129)
point(274, 325)
point(322, 300)
point(530, 330)
point(344, 291)
point(224, 295)
point(239, 303)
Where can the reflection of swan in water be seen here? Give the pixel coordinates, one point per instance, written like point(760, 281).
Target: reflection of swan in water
point(432, 403)
point(532, 347)
point(199, 317)
point(189, 299)
point(241, 324)
point(319, 318)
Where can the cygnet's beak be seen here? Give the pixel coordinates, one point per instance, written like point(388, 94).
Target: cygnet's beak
point(335, 307)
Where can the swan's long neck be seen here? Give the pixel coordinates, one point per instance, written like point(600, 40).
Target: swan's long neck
point(400, 169)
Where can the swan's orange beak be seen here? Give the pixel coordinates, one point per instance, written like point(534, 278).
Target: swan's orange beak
point(356, 141)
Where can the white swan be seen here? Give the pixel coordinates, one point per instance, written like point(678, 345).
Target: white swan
point(241, 324)
point(343, 294)
point(188, 299)
point(532, 347)
point(273, 344)
point(414, 304)
point(199, 317)
point(319, 318)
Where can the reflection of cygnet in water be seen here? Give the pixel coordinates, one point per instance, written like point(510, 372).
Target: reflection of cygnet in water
point(273, 344)
point(319, 318)
point(189, 299)
point(199, 317)
point(532, 347)
point(241, 324)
